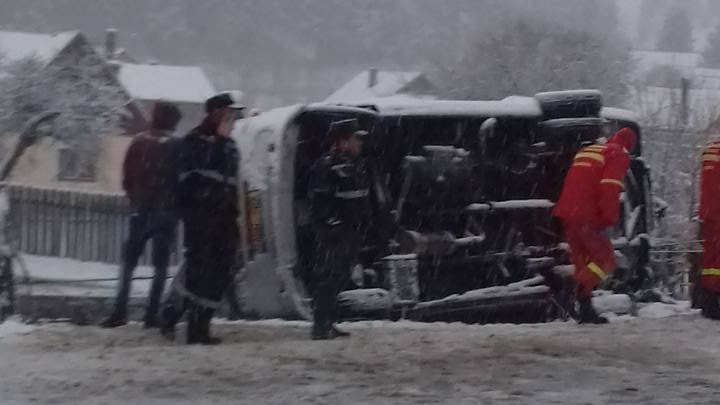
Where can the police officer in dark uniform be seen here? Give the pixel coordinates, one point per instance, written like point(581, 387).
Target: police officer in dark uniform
point(207, 196)
point(340, 211)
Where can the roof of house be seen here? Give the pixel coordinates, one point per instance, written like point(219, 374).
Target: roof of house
point(657, 58)
point(389, 83)
point(188, 84)
point(16, 46)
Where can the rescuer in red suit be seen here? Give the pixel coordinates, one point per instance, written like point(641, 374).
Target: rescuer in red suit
point(710, 228)
point(588, 205)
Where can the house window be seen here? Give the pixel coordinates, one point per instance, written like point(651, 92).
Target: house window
point(75, 166)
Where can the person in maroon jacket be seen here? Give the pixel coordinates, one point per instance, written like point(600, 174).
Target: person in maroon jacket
point(149, 178)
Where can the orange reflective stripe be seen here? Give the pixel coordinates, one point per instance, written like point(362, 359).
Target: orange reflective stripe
point(597, 270)
point(613, 182)
point(711, 272)
point(582, 164)
point(711, 158)
point(595, 148)
point(591, 155)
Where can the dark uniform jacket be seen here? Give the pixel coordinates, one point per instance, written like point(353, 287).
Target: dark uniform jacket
point(207, 176)
point(339, 194)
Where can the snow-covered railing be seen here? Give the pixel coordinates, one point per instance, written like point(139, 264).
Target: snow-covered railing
point(88, 226)
point(530, 286)
point(510, 205)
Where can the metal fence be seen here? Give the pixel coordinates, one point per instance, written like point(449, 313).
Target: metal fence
point(72, 224)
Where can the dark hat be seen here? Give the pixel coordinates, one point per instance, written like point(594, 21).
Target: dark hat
point(222, 100)
point(345, 129)
point(165, 115)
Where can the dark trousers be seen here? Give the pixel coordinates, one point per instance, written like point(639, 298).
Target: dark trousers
point(335, 254)
point(145, 226)
point(7, 288)
point(210, 256)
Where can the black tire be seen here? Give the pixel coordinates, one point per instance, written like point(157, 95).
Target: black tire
point(571, 130)
point(570, 104)
point(636, 276)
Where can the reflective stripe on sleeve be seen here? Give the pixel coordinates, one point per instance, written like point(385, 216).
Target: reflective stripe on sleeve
point(711, 272)
point(595, 148)
point(582, 164)
point(351, 195)
point(208, 174)
point(591, 155)
point(613, 182)
point(710, 158)
point(595, 269)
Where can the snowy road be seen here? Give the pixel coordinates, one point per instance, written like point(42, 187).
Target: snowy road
point(671, 360)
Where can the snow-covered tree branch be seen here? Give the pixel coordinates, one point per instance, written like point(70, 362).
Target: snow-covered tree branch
point(528, 56)
point(85, 95)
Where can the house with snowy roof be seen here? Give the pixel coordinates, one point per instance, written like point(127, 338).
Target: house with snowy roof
point(46, 48)
point(186, 86)
point(373, 84)
point(52, 164)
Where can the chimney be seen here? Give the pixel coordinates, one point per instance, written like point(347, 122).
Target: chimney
point(372, 77)
point(110, 43)
point(114, 67)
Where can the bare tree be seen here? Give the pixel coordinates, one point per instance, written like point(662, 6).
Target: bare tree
point(529, 56)
point(85, 96)
point(711, 53)
point(677, 33)
point(663, 76)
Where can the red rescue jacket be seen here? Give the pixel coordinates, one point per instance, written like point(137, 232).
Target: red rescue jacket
point(710, 183)
point(590, 194)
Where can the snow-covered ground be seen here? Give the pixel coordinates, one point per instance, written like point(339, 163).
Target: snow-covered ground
point(670, 360)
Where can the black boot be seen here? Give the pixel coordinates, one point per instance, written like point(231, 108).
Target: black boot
point(168, 331)
point(206, 315)
point(322, 329)
point(711, 306)
point(319, 333)
point(198, 331)
point(167, 326)
point(193, 320)
point(172, 312)
point(113, 321)
point(151, 322)
point(588, 313)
